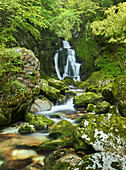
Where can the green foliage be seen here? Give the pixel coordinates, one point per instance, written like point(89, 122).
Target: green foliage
point(26, 15)
point(113, 27)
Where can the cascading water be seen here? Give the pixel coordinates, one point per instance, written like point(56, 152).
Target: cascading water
point(70, 68)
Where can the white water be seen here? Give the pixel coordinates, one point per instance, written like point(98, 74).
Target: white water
point(71, 69)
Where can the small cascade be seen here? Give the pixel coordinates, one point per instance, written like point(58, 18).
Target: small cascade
point(70, 67)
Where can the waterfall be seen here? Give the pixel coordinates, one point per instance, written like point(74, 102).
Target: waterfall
point(70, 68)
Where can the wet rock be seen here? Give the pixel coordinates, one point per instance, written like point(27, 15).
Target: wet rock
point(88, 97)
point(90, 107)
point(102, 107)
point(104, 132)
point(26, 128)
point(40, 122)
point(41, 105)
point(23, 154)
point(58, 84)
point(102, 160)
point(63, 128)
point(19, 83)
point(61, 159)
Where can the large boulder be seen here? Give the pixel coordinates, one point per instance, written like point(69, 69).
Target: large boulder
point(63, 128)
point(88, 97)
point(19, 83)
point(104, 132)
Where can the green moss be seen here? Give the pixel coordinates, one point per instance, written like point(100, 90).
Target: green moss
point(10, 60)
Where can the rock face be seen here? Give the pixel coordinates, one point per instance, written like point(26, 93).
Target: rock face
point(19, 83)
point(115, 93)
point(84, 99)
point(105, 132)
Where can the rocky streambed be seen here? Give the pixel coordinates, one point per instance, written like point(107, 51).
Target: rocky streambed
point(76, 140)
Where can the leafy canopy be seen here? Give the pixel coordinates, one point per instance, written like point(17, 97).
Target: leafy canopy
point(28, 15)
point(114, 26)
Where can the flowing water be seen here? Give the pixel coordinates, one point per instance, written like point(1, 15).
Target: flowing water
point(14, 146)
point(70, 68)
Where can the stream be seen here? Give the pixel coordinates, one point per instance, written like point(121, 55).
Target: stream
point(15, 147)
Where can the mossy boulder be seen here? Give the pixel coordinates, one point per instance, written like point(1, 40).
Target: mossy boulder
point(99, 161)
point(40, 122)
point(63, 128)
point(19, 83)
point(103, 132)
point(115, 93)
point(26, 128)
point(90, 107)
point(54, 144)
point(61, 159)
point(102, 107)
point(49, 91)
point(58, 84)
point(88, 97)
